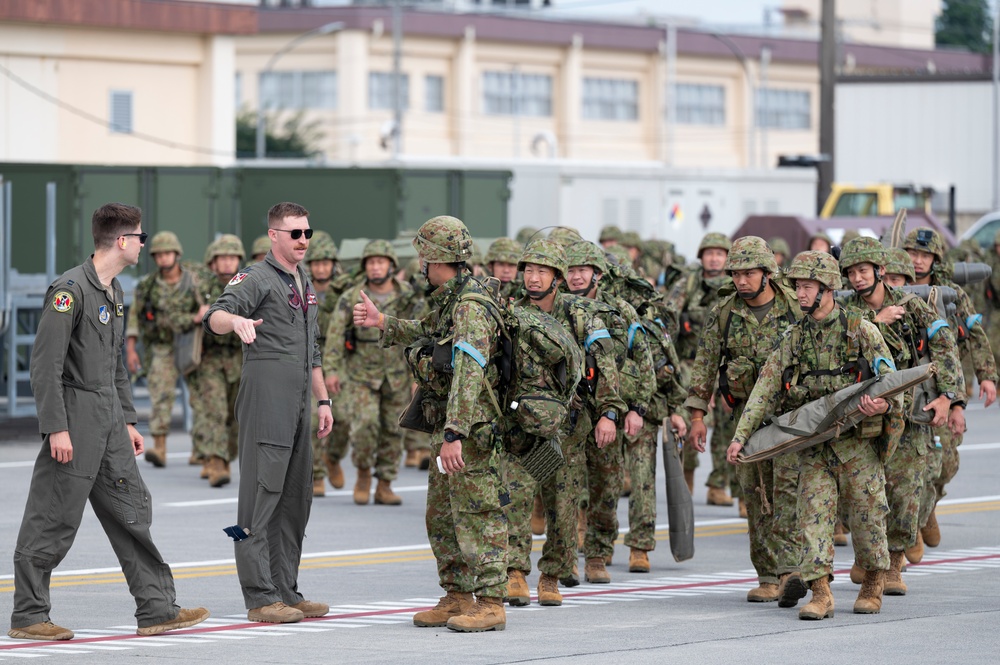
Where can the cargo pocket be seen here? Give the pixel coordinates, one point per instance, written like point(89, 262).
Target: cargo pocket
point(272, 465)
point(476, 491)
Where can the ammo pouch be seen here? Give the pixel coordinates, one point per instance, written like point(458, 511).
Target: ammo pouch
point(542, 460)
point(413, 416)
point(351, 340)
point(539, 415)
point(442, 357)
point(740, 376)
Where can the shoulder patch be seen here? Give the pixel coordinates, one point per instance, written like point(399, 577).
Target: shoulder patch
point(62, 301)
point(238, 277)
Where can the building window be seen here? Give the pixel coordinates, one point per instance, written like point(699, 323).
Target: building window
point(298, 90)
point(610, 99)
point(380, 91)
point(120, 116)
point(510, 93)
point(783, 109)
point(701, 104)
point(434, 94)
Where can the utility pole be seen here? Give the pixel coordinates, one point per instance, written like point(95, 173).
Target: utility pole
point(827, 104)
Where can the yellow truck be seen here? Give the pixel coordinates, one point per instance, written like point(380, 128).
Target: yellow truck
point(872, 200)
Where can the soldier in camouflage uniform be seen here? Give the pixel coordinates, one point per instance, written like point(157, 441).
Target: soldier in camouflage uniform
point(610, 236)
point(782, 253)
point(466, 525)
point(992, 298)
point(379, 379)
point(165, 303)
point(647, 267)
point(739, 335)
point(586, 266)
point(905, 321)
point(417, 444)
point(261, 246)
point(927, 252)
point(501, 260)
point(525, 235)
point(214, 385)
point(829, 349)
point(694, 297)
point(820, 242)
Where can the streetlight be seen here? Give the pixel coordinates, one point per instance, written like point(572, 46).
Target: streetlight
point(325, 29)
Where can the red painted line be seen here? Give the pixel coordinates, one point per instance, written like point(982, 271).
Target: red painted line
point(406, 610)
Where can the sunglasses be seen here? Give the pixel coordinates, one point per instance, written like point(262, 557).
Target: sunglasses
point(141, 236)
point(297, 233)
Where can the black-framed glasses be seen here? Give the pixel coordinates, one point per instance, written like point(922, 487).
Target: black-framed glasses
point(141, 236)
point(297, 233)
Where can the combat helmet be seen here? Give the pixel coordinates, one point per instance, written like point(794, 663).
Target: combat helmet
point(504, 250)
point(630, 239)
point(379, 248)
point(618, 254)
point(321, 247)
point(926, 239)
point(714, 241)
point(815, 265)
point(779, 245)
point(610, 233)
point(862, 250)
point(898, 263)
point(544, 252)
point(165, 241)
point(819, 235)
point(443, 239)
point(566, 235)
point(750, 252)
point(225, 245)
point(586, 253)
point(525, 235)
point(262, 245)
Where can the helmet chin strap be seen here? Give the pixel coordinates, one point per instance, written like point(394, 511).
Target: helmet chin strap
point(921, 275)
point(754, 295)
point(379, 281)
point(819, 296)
point(864, 293)
point(587, 289)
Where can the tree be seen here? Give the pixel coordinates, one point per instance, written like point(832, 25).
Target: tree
point(966, 24)
point(295, 138)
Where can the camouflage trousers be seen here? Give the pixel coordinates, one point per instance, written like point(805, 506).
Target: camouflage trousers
point(333, 445)
point(928, 489)
point(905, 474)
point(413, 440)
point(859, 487)
point(940, 474)
point(775, 538)
point(466, 525)
point(605, 479)
point(161, 378)
point(376, 438)
point(214, 430)
point(522, 489)
point(722, 475)
point(640, 460)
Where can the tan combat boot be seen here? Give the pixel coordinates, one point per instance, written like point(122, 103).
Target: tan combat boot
point(931, 531)
point(548, 591)
point(423, 459)
point(185, 619)
point(538, 517)
point(689, 479)
point(790, 589)
point(894, 584)
point(363, 487)
point(857, 573)
point(196, 458)
point(411, 461)
point(766, 592)
point(204, 468)
point(218, 472)
point(718, 497)
point(319, 486)
point(275, 613)
point(595, 572)
point(915, 553)
point(384, 495)
point(45, 631)
point(451, 605)
point(518, 594)
point(334, 473)
point(486, 614)
point(638, 561)
point(840, 536)
point(573, 579)
point(820, 606)
point(870, 597)
point(158, 455)
point(311, 609)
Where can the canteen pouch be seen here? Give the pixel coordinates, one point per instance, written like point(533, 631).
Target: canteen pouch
point(413, 417)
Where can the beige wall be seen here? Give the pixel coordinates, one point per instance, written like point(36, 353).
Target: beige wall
point(899, 23)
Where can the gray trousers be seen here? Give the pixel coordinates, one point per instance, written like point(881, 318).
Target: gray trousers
point(275, 499)
point(104, 472)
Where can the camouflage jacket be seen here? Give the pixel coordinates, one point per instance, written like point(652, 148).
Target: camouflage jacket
point(637, 376)
point(749, 344)
point(160, 309)
point(991, 290)
point(511, 290)
point(367, 363)
point(464, 394)
point(226, 349)
point(977, 344)
point(328, 300)
point(904, 337)
point(694, 297)
point(809, 346)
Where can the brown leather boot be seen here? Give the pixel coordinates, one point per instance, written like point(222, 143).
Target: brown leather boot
point(319, 486)
point(718, 497)
point(334, 473)
point(363, 487)
point(931, 531)
point(218, 472)
point(411, 461)
point(384, 495)
point(548, 591)
point(486, 614)
point(870, 597)
point(857, 573)
point(158, 455)
point(538, 517)
point(595, 572)
point(766, 592)
point(451, 605)
point(820, 606)
point(840, 536)
point(518, 593)
point(894, 584)
point(45, 631)
point(638, 561)
point(790, 589)
point(689, 479)
point(915, 553)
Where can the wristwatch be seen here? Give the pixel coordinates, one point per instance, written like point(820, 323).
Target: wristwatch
point(611, 415)
point(324, 402)
point(451, 437)
point(639, 410)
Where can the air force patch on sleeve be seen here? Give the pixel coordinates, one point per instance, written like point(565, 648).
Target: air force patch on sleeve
point(237, 278)
point(62, 301)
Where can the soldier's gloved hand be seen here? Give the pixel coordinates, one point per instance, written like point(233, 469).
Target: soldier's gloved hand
point(733, 452)
point(989, 389)
point(366, 314)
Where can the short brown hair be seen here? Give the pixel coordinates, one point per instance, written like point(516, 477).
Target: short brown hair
point(112, 220)
point(279, 211)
